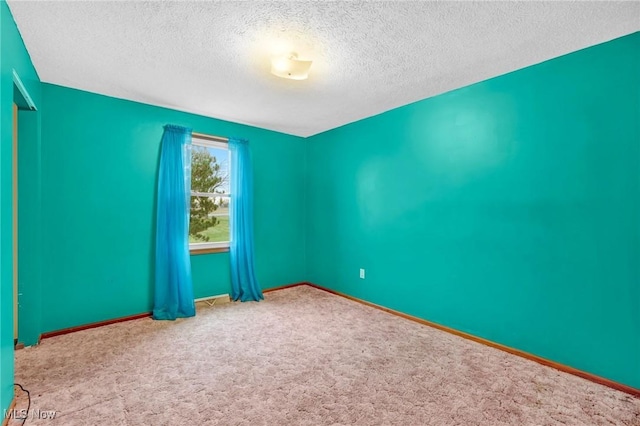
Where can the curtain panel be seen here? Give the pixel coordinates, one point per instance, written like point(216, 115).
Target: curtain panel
point(244, 284)
point(173, 297)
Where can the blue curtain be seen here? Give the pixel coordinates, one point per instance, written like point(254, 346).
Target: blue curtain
point(244, 285)
point(173, 296)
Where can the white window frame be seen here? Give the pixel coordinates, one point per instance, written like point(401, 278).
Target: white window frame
point(220, 145)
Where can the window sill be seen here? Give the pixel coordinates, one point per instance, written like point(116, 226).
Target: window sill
point(208, 250)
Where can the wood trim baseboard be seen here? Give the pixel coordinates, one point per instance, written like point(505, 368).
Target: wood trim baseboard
point(12, 405)
point(546, 362)
point(282, 287)
point(55, 333)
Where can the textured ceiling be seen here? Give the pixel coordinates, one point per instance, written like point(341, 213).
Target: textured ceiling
point(212, 58)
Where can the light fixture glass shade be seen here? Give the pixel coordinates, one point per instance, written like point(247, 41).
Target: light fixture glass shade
point(289, 66)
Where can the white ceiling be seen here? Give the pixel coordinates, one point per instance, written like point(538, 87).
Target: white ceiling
point(212, 58)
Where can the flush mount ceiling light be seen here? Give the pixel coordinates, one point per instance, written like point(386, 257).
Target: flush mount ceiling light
point(289, 66)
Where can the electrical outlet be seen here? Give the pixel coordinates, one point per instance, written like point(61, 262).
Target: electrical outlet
point(362, 273)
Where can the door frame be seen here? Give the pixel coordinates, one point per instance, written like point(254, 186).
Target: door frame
point(15, 221)
point(22, 101)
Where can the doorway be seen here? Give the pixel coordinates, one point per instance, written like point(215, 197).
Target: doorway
point(25, 137)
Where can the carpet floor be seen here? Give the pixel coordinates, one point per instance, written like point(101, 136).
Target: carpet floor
point(301, 357)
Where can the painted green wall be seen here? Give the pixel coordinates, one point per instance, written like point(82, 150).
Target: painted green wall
point(13, 56)
point(99, 170)
point(509, 209)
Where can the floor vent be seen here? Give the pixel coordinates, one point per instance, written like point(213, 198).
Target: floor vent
point(219, 299)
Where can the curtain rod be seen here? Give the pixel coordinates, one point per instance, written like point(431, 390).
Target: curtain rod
point(209, 137)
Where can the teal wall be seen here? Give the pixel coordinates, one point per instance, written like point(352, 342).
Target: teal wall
point(13, 56)
point(509, 209)
point(99, 169)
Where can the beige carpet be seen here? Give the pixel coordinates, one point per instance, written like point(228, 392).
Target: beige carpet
point(301, 357)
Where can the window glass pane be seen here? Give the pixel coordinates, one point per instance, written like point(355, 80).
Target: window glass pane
point(209, 220)
point(209, 169)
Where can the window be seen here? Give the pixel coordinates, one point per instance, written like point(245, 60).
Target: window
point(210, 175)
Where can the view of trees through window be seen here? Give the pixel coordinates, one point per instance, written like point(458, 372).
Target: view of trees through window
point(209, 219)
